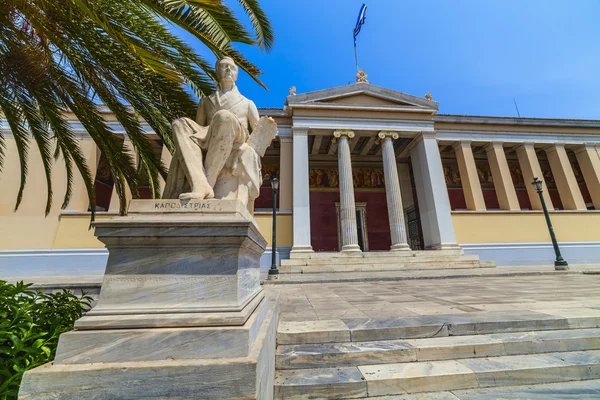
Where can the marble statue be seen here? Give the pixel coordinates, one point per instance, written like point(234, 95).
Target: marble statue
point(218, 155)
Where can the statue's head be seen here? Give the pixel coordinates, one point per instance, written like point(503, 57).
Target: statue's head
point(226, 70)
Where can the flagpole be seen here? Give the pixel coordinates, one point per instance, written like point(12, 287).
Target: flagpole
point(355, 55)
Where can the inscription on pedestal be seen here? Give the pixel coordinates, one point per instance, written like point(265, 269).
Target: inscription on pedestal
point(176, 205)
point(162, 206)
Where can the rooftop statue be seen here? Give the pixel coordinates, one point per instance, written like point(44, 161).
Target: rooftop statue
point(218, 155)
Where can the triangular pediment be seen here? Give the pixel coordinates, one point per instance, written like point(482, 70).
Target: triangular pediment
point(364, 99)
point(362, 94)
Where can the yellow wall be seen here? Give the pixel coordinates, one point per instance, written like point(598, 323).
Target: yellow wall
point(284, 228)
point(525, 226)
point(73, 231)
point(27, 228)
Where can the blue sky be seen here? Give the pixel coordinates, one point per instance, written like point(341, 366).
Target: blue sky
point(474, 56)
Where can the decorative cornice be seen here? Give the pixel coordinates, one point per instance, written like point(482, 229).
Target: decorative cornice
point(474, 119)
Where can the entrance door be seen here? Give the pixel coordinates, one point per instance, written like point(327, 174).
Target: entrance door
point(361, 233)
point(415, 232)
point(361, 225)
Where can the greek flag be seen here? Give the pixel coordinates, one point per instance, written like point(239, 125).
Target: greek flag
point(360, 21)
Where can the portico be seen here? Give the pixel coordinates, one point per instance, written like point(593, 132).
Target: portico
point(363, 125)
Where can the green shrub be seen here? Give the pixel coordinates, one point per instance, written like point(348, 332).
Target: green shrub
point(30, 324)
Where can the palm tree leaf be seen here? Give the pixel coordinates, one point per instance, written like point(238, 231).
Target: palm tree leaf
point(265, 37)
point(16, 122)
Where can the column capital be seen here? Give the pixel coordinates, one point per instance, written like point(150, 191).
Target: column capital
point(299, 132)
point(493, 145)
point(461, 144)
point(423, 136)
point(286, 139)
point(553, 147)
point(585, 147)
point(388, 134)
point(338, 133)
point(525, 146)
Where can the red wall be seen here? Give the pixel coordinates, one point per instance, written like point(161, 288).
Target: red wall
point(490, 199)
point(457, 198)
point(323, 220)
point(523, 197)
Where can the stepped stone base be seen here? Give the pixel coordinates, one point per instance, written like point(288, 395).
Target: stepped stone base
point(181, 313)
point(322, 262)
point(249, 377)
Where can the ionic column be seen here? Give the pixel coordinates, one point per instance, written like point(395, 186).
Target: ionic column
point(530, 167)
point(505, 188)
point(301, 194)
point(567, 186)
point(468, 175)
point(392, 192)
point(347, 207)
point(589, 162)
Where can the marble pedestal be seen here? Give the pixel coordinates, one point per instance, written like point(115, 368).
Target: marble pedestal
point(181, 311)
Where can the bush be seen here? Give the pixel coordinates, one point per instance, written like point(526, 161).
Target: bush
point(30, 324)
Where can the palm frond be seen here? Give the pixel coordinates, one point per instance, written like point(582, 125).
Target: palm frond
point(59, 56)
point(265, 37)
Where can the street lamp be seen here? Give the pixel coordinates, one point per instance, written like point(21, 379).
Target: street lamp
point(560, 264)
point(274, 272)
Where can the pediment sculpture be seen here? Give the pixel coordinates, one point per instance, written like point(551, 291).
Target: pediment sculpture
point(218, 155)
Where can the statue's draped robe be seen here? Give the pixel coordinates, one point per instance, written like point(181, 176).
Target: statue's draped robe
point(242, 161)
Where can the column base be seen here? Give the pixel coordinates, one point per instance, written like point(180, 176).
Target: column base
point(351, 248)
point(302, 249)
point(400, 247)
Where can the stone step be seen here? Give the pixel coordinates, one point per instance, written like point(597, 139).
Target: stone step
point(370, 267)
point(350, 354)
point(436, 376)
point(400, 258)
point(375, 254)
point(426, 326)
point(583, 390)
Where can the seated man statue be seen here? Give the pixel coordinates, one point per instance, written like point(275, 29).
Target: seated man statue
point(218, 155)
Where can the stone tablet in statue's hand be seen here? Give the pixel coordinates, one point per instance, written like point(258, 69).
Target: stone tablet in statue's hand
point(263, 134)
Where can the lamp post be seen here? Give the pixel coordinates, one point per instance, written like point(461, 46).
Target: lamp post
point(559, 264)
point(274, 272)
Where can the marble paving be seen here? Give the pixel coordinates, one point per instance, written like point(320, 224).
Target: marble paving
point(547, 293)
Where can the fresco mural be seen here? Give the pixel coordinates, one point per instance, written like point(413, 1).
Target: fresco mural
point(269, 170)
point(363, 178)
point(452, 175)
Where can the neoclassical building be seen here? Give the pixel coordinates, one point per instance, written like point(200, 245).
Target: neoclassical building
point(362, 169)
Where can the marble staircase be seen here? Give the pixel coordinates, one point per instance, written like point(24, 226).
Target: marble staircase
point(323, 262)
point(438, 356)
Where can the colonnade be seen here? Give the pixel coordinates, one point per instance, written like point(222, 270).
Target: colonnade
point(562, 171)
